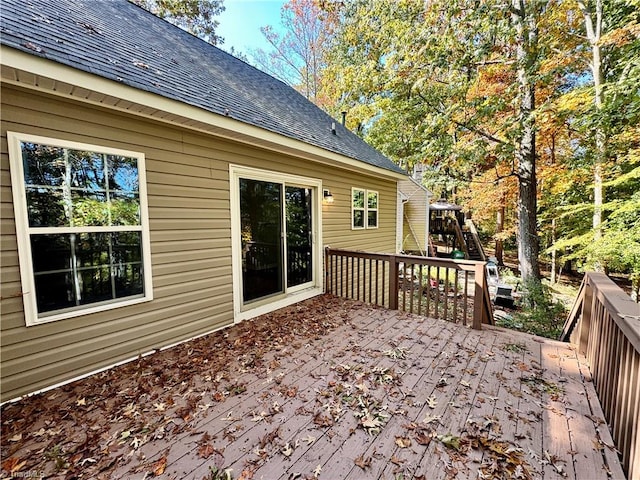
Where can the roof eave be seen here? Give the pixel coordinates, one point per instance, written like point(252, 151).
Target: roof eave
point(34, 72)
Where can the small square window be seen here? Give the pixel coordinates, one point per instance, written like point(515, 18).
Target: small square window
point(364, 208)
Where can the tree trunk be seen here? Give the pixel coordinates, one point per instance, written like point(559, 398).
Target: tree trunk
point(499, 229)
point(553, 253)
point(524, 22)
point(593, 28)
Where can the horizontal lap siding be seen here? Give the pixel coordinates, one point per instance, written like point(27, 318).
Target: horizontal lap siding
point(190, 230)
point(415, 211)
point(190, 244)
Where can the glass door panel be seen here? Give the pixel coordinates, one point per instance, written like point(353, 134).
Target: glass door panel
point(261, 236)
point(299, 235)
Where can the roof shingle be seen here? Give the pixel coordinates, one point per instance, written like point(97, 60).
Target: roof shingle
point(120, 41)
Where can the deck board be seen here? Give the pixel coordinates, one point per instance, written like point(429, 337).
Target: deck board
point(529, 398)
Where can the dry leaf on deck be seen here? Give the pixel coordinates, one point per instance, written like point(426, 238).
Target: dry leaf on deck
point(160, 466)
point(362, 462)
point(206, 450)
point(403, 442)
point(13, 464)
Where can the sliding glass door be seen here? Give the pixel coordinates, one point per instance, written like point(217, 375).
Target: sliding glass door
point(299, 246)
point(276, 235)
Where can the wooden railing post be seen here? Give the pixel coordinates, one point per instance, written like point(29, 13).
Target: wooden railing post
point(393, 283)
point(327, 287)
point(478, 297)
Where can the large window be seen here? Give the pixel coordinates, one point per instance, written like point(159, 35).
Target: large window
point(364, 208)
point(81, 219)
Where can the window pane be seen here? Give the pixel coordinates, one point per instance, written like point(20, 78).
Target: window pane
point(89, 208)
point(95, 285)
point(43, 165)
point(125, 209)
point(45, 207)
point(358, 198)
point(372, 201)
point(51, 256)
point(91, 249)
point(128, 279)
point(123, 173)
point(54, 291)
point(86, 170)
point(262, 249)
point(126, 247)
point(372, 219)
point(358, 218)
point(50, 253)
point(76, 269)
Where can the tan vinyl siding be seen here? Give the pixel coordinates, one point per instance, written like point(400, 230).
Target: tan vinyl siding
point(190, 230)
point(415, 216)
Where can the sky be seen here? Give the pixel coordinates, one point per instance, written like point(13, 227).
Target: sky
point(241, 21)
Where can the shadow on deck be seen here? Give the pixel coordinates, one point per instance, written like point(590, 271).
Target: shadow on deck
point(330, 389)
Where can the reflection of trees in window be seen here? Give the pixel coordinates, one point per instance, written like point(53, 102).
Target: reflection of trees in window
point(71, 189)
point(77, 188)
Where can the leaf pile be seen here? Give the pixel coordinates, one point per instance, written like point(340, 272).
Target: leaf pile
point(92, 426)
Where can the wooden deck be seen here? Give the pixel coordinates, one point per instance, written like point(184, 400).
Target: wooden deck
point(384, 395)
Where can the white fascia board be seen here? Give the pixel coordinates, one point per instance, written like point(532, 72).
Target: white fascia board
point(36, 68)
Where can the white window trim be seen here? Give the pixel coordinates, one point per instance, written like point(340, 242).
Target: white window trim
point(23, 231)
point(291, 295)
point(365, 210)
point(377, 209)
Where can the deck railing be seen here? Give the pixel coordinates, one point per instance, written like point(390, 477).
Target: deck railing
point(453, 290)
point(605, 325)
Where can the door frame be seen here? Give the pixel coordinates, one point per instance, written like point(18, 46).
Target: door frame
point(242, 311)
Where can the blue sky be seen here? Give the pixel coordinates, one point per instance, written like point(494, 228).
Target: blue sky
point(241, 21)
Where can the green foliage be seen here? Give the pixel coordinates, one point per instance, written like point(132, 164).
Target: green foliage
point(194, 16)
point(541, 314)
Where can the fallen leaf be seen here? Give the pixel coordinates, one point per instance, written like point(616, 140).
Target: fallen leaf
point(362, 462)
point(403, 442)
point(432, 402)
point(429, 419)
point(135, 443)
point(81, 402)
point(159, 407)
point(397, 461)
point(160, 466)
point(206, 450)
point(13, 464)
point(450, 441)
point(287, 450)
point(309, 439)
point(16, 438)
point(316, 472)
point(423, 439)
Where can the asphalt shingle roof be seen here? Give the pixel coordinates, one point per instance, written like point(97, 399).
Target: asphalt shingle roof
point(120, 41)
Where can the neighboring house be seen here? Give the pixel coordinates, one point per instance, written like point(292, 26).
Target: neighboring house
point(155, 188)
point(413, 215)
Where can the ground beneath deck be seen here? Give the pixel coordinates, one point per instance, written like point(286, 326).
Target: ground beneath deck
point(327, 389)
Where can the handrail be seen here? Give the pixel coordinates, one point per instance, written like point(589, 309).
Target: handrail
point(460, 238)
point(574, 315)
point(605, 325)
point(476, 238)
point(431, 286)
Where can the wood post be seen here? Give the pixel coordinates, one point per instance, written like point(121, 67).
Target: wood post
point(393, 283)
point(478, 297)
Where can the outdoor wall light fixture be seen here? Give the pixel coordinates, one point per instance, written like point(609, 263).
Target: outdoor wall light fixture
point(327, 197)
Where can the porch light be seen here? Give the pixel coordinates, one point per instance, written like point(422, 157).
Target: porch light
point(327, 197)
